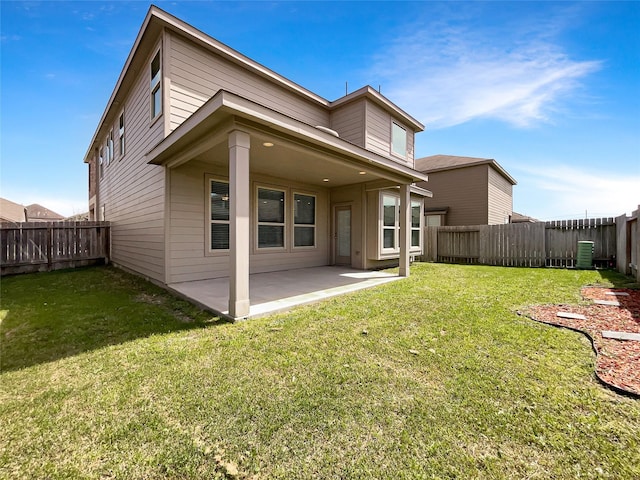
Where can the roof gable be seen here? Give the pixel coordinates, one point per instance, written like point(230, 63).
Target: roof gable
point(157, 20)
point(11, 211)
point(439, 163)
point(38, 212)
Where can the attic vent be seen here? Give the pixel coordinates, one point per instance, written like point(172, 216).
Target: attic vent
point(328, 130)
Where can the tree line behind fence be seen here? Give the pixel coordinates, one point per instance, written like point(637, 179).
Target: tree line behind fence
point(40, 246)
point(540, 244)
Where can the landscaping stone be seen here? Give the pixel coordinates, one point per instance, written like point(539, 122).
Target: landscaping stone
point(621, 335)
point(574, 316)
point(612, 303)
point(617, 294)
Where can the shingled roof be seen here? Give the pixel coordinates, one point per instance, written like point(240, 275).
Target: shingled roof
point(11, 211)
point(36, 212)
point(438, 163)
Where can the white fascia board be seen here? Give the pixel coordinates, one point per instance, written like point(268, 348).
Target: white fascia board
point(423, 192)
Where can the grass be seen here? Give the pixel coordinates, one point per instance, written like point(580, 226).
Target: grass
point(106, 376)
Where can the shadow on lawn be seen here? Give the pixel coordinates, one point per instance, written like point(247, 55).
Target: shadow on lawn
point(48, 316)
point(619, 280)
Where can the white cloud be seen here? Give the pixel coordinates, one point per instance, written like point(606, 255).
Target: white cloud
point(557, 192)
point(450, 73)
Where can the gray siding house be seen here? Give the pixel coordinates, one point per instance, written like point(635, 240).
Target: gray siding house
point(467, 191)
point(210, 165)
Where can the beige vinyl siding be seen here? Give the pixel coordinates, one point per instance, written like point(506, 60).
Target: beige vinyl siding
point(348, 121)
point(410, 147)
point(500, 198)
point(378, 130)
point(378, 134)
point(464, 191)
point(133, 192)
point(196, 75)
point(190, 258)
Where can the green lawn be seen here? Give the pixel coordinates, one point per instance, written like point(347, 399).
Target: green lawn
point(435, 376)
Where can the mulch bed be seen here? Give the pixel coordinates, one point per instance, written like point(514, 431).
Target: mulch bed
point(618, 361)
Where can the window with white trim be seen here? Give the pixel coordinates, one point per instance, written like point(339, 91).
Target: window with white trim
point(218, 215)
point(398, 140)
point(121, 141)
point(304, 220)
point(109, 148)
point(101, 162)
point(435, 220)
point(390, 241)
point(416, 223)
point(156, 86)
point(271, 218)
point(390, 222)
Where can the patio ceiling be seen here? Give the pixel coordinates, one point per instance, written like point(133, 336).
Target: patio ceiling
point(299, 151)
point(287, 159)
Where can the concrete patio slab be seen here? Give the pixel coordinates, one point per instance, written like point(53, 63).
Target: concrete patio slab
point(280, 291)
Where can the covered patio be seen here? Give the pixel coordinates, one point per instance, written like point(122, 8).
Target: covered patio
point(254, 163)
point(281, 291)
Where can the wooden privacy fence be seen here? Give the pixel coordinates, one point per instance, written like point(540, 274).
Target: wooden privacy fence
point(551, 244)
point(628, 239)
point(43, 246)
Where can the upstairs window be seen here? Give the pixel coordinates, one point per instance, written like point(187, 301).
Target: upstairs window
point(156, 86)
point(101, 162)
point(121, 134)
point(398, 140)
point(271, 223)
point(304, 220)
point(109, 148)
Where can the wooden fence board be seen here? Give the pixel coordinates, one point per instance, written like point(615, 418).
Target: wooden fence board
point(538, 244)
point(40, 246)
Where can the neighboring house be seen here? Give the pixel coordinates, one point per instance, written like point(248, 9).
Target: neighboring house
point(78, 217)
point(38, 213)
point(208, 164)
point(467, 191)
point(12, 212)
point(520, 218)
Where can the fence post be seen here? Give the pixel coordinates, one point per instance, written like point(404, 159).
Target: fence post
point(107, 245)
point(622, 245)
point(49, 246)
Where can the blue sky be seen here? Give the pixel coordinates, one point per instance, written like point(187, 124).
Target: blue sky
point(550, 90)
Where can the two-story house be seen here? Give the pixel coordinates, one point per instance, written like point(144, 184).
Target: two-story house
point(467, 191)
point(210, 165)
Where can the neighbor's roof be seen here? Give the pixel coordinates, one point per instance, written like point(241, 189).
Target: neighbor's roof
point(520, 218)
point(38, 212)
point(437, 163)
point(11, 211)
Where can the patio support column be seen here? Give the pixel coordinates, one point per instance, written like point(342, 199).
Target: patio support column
point(405, 230)
point(239, 144)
